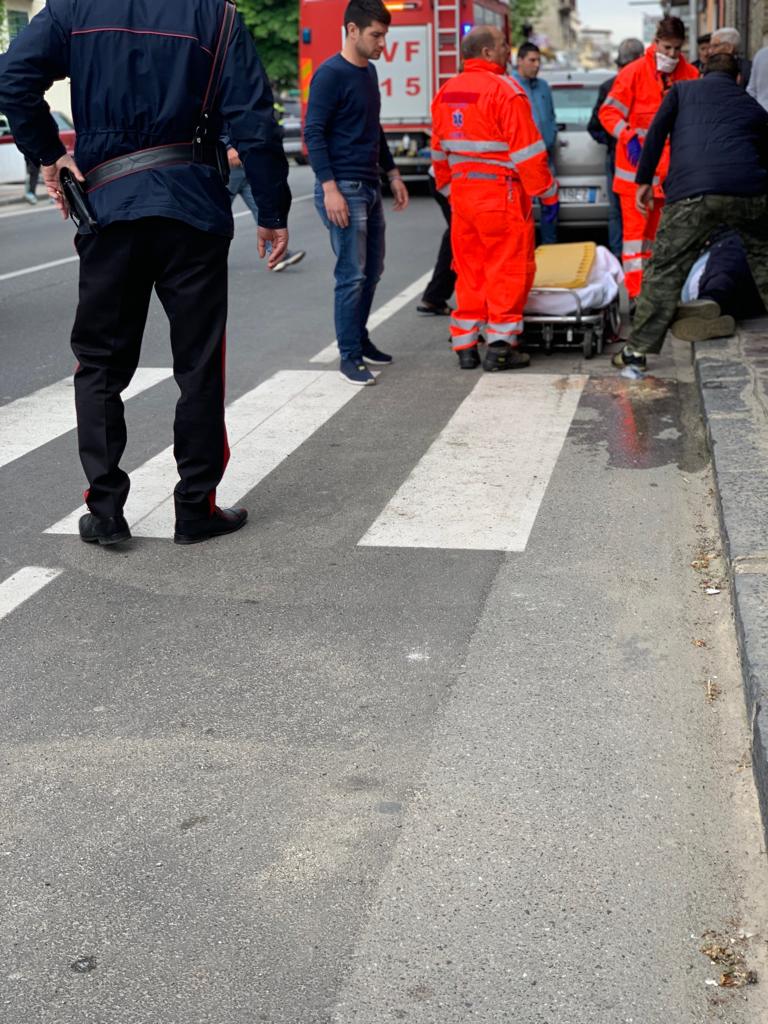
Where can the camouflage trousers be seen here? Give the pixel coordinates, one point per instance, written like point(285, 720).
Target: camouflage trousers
point(685, 227)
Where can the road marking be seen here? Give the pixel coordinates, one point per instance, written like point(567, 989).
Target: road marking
point(47, 208)
point(480, 484)
point(264, 427)
point(39, 267)
point(24, 584)
point(46, 414)
point(331, 352)
point(72, 259)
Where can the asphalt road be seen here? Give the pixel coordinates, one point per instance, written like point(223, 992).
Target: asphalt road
point(490, 764)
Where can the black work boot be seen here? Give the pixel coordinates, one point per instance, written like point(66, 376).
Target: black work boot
point(501, 356)
point(103, 529)
point(468, 358)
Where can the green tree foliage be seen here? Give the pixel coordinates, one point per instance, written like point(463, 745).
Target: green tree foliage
point(521, 12)
point(3, 28)
point(274, 25)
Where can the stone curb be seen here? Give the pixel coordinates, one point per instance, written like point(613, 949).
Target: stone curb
point(732, 375)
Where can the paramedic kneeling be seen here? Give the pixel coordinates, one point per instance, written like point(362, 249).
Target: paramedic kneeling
point(488, 155)
point(718, 182)
point(154, 179)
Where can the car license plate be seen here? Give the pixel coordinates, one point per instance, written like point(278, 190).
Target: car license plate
point(578, 195)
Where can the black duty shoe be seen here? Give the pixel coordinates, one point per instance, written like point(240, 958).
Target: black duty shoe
point(628, 357)
point(103, 529)
point(223, 520)
point(506, 358)
point(429, 309)
point(468, 358)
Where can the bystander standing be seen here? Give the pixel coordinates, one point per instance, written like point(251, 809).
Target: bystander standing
point(526, 74)
point(348, 151)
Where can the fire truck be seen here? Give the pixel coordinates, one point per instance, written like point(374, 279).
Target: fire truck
point(421, 53)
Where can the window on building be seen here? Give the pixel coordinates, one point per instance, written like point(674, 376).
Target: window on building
point(17, 20)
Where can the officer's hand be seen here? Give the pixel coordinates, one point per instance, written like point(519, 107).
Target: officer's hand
point(51, 180)
point(277, 240)
point(233, 157)
point(336, 208)
point(644, 199)
point(399, 191)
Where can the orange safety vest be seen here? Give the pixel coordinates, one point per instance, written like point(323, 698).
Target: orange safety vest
point(630, 107)
point(481, 122)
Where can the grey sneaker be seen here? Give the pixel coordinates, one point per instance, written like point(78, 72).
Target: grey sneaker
point(289, 260)
point(703, 309)
point(628, 357)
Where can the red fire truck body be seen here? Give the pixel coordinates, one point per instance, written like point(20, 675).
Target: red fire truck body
point(421, 53)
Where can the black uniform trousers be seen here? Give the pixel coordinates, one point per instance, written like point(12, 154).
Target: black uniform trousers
point(119, 267)
point(440, 288)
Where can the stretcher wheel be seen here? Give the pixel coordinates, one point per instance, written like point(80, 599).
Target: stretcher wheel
point(588, 345)
point(600, 338)
point(613, 321)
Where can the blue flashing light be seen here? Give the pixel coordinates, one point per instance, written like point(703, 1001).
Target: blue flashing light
point(306, 36)
point(466, 26)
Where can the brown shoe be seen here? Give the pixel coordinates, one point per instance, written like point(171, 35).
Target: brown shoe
point(694, 328)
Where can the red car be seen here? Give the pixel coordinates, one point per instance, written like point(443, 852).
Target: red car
point(66, 130)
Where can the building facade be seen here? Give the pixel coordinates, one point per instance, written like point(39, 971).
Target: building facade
point(15, 15)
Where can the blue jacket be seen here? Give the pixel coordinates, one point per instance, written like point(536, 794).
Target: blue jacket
point(718, 139)
point(139, 72)
point(540, 95)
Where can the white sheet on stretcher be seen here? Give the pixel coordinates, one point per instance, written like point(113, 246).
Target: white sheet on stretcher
point(601, 289)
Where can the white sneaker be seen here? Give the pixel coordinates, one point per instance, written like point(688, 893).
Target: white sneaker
point(289, 260)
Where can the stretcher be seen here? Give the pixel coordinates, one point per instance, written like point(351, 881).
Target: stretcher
point(574, 302)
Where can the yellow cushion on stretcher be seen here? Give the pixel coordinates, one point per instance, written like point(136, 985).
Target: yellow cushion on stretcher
point(564, 266)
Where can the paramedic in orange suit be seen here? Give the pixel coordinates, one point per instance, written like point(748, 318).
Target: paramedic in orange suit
point(489, 158)
point(627, 113)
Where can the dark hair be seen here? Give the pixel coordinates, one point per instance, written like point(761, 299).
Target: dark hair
point(363, 13)
point(706, 38)
point(725, 63)
point(670, 28)
point(527, 48)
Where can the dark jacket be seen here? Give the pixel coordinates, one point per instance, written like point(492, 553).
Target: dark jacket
point(139, 72)
point(718, 140)
point(595, 128)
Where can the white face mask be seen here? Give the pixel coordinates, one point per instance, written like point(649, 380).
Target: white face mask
point(666, 65)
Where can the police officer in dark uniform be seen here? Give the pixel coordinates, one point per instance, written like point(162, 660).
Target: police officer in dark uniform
point(152, 84)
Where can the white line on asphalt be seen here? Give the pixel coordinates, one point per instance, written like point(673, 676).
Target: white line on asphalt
point(46, 208)
point(480, 484)
point(48, 413)
point(264, 427)
point(331, 352)
point(296, 199)
point(73, 259)
point(22, 585)
point(39, 267)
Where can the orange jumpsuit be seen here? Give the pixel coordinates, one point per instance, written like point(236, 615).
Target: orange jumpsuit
point(487, 154)
point(628, 110)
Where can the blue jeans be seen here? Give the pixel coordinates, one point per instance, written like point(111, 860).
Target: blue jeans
point(359, 251)
point(239, 186)
point(615, 229)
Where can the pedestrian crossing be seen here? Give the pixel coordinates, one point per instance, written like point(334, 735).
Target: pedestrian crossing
point(264, 427)
point(482, 481)
point(478, 486)
point(32, 421)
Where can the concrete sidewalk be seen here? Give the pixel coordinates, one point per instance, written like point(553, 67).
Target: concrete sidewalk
point(14, 193)
point(732, 374)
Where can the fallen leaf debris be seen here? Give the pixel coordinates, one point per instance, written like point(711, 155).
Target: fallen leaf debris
point(728, 954)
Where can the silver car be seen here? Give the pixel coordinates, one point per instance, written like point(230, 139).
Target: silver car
point(579, 160)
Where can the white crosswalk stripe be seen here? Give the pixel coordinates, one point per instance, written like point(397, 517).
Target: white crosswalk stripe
point(331, 352)
point(24, 584)
point(480, 484)
point(264, 427)
point(48, 413)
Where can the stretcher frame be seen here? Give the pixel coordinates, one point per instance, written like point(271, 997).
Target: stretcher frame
point(588, 329)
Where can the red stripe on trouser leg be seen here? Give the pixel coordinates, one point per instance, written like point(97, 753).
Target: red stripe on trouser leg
point(639, 234)
point(492, 237)
point(226, 448)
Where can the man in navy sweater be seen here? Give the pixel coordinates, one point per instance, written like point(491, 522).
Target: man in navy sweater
point(718, 176)
point(347, 149)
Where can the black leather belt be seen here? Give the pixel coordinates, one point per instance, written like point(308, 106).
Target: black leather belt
point(156, 156)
